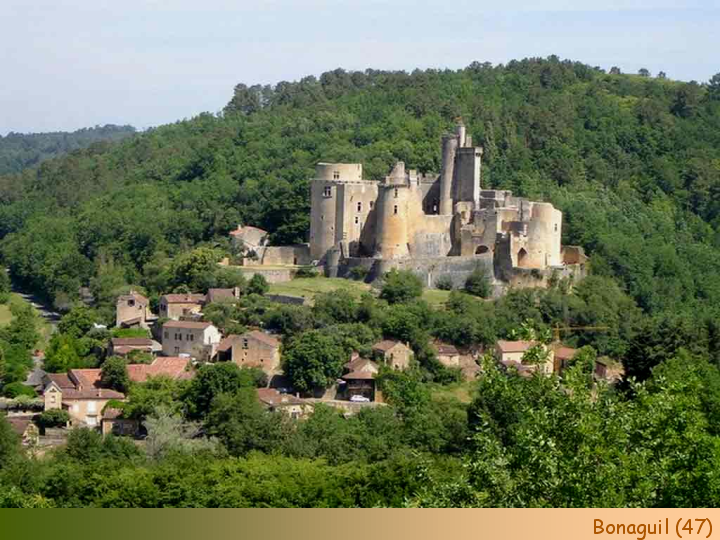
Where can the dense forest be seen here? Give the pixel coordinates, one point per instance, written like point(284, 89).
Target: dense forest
point(633, 161)
point(19, 151)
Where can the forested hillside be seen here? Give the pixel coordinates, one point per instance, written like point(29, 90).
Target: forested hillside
point(633, 162)
point(21, 150)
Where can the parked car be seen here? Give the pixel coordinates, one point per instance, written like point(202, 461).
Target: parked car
point(359, 399)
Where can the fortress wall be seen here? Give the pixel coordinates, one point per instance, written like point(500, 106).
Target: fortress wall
point(429, 270)
point(286, 255)
point(271, 275)
point(431, 236)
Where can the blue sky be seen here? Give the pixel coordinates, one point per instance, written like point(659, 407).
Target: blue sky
point(68, 64)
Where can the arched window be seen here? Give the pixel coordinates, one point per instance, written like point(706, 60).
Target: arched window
point(522, 258)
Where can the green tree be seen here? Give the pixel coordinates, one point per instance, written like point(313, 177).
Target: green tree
point(258, 285)
point(400, 286)
point(114, 374)
point(9, 443)
point(478, 283)
point(313, 360)
point(212, 380)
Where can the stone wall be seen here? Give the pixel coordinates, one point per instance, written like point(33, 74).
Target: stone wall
point(286, 255)
point(271, 275)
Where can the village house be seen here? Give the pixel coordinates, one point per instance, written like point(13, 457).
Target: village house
point(360, 379)
point(447, 354)
point(196, 339)
point(24, 428)
point(176, 306)
point(608, 370)
point(222, 295)
point(80, 391)
point(285, 403)
point(512, 353)
point(394, 354)
point(563, 356)
point(132, 310)
point(252, 349)
point(124, 346)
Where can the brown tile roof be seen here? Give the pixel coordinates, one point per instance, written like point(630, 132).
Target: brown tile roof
point(384, 345)
point(267, 339)
point(92, 393)
point(131, 342)
point(565, 353)
point(61, 379)
point(111, 414)
point(362, 364)
point(170, 366)
point(514, 346)
point(134, 296)
point(446, 349)
point(247, 228)
point(86, 378)
point(355, 375)
point(19, 424)
point(187, 324)
point(227, 342)
point(272, 397)
point(184, 298)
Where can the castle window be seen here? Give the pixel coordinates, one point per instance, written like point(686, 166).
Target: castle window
point(357, 220)
point(372, 203)
point(395, 209)
point(336, 175)
point(327, 191)
point(359, 207)
point(556, 227)
point(396, 194)
point(245, 343)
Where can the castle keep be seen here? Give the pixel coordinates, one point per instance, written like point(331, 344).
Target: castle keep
point(434, 225)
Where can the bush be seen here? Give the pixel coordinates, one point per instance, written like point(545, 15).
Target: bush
point(53, 418)
point(358, 273)
point(258, 285)
point(401, 286)
point(306, 273)
point(444, 283)
point(478, 283)
point(17, 389)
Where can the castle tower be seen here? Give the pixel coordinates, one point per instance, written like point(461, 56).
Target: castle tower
point(326, 204)
point(394, 207)
point(544, 235)
point(447, 174)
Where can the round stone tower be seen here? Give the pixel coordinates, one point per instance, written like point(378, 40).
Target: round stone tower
point(449, 149)
point(544, 235)
point(393, 211)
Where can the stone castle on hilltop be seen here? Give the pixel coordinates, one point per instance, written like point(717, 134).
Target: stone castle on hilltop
point(434, 225)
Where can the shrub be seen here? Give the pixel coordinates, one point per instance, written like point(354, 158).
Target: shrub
point(444, 283)
point(306, 273)
point(358, 273)
point(258, 285)
point(17, 389)
point(478, 283)
point(401, 286)
point(53, 418)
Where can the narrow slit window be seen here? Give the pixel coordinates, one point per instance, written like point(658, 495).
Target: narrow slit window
point(359, 207)
point(395, 209)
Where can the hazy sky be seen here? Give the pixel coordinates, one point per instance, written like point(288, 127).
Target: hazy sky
point(66, 64)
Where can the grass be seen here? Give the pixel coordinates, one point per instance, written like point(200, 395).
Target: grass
point(463, 392)
point(309, 287)
point(43, 326)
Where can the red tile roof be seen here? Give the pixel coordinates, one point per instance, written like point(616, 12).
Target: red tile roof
point(61, 379)
point(92, 393)
point(184, 298)
point(565, 353)
point(86, 378)
point(192, 325)
point(134, 296)
point(267, 339)
point(272, 397)
point(170, 366)
point(131, 342)
point(385, 345)
point(19, 424)
point(514, 346)
point(446, 349)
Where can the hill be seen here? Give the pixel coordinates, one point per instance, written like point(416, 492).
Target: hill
point(633, 162)
point(19, 151)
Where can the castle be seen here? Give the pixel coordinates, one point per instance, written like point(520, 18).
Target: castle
point(435, 225)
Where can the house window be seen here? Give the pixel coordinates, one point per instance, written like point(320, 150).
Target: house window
point(327, 191)
point(245, 343)
point(191, 337)
point(167, 335)
point(395, 209)
point(179, 337)
point(177, 350)
point(336, 175)
point(131, 302)
point(359, 207)
point(91, 407)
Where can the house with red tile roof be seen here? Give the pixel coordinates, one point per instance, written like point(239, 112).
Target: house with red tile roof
point(252, 349)
point(176, 306)
point(395, 354)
